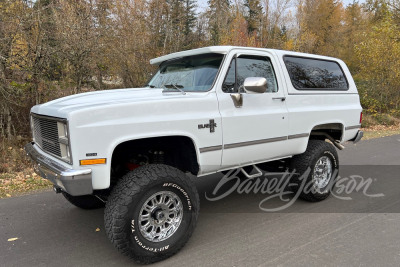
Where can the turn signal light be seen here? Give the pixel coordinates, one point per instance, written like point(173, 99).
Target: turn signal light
point(92, 162)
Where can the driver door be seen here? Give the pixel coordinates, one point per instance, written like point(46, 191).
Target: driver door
point(256, 131)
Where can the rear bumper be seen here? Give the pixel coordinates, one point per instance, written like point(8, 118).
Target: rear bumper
point(358, 137)
point(73, 182)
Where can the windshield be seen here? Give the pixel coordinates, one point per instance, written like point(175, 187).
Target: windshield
point(194, 73)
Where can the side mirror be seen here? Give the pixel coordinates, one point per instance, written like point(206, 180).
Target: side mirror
point(255, 85)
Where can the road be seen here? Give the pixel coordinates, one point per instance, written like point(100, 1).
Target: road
point(363, 230)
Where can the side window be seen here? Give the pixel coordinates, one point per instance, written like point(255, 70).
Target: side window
point(315, 74)
point(249, 66)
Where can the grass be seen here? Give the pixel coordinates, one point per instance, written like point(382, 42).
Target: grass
point(19, 183)
point(378, 131)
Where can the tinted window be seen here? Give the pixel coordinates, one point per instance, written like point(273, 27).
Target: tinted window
point(248, 66)
point(307, 73)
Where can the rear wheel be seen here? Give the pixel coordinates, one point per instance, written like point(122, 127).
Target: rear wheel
point(151, 213)
point(316, 170)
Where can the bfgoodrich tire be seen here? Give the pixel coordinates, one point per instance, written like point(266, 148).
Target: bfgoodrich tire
point(88, 202)
point(316, 169)
point(151, 213)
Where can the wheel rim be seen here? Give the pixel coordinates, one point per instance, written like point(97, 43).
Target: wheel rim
point(160, 216)
point(322, 173)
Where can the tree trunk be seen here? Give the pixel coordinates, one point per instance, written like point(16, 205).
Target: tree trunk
point(8, 114)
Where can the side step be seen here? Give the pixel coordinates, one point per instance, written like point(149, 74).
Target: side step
point(252, 176)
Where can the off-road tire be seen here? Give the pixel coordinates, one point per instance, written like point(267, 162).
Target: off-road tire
point(123, 208)
point(306, 162)
point(87, 202)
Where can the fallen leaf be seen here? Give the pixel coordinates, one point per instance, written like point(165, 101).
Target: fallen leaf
point(97, 229)
point(8, 195)
point(12, 239)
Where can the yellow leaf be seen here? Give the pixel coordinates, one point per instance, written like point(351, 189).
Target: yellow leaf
point(97, 229)
point(8, 195)
point(12, 239)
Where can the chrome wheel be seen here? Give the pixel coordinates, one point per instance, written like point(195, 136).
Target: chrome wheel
point(322, 173)
point(160, 216)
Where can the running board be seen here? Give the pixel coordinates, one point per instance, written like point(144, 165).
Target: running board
point(252, 176)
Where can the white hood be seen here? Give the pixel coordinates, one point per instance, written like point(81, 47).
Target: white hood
point(63, 106)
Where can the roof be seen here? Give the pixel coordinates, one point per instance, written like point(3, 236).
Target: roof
point(226, 49)
point(204, 50)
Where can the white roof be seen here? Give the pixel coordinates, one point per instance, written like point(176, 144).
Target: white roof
point(204, 50)
point(225, 50)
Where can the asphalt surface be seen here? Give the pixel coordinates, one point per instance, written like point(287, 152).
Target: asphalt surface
point(363, 230)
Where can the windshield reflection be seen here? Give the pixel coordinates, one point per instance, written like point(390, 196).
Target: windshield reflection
point(193, 73)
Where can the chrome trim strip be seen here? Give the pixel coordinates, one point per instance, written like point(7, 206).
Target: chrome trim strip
point(294, 136)
point(251, 143)
point(353, 127)
point(257, 142)
point(210, 149)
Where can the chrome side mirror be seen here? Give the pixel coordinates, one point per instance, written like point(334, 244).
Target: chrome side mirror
point(255, 85)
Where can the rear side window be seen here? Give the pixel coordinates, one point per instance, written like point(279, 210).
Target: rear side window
point(315, 74)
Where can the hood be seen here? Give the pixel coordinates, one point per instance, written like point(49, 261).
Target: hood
point(63, 106)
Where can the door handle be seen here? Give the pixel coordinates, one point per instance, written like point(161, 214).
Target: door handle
point(279, 98)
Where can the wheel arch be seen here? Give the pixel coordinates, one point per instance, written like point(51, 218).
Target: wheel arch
point(334, 130)
point(181, 147)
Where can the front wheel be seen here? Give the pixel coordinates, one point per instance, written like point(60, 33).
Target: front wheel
point(316, 169)
point(151, 213)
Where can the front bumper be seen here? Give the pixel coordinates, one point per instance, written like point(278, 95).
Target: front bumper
point(73, 182)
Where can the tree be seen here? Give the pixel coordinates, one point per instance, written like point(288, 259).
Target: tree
point(253, 16)
point(189, 22)
point(379, 63)
point(355, 22)
point(78, 39)
point(218, 15)
point(320, 23)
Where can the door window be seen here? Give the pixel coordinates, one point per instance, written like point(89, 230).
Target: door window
point(249, 66)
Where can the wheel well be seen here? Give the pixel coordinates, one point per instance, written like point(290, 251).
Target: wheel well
point(334, 130)
point(176, 151)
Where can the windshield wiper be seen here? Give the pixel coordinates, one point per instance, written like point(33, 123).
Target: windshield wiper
point(177, 87)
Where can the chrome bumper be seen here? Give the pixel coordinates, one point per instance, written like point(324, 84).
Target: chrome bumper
point(358, 137)
point(73, 182)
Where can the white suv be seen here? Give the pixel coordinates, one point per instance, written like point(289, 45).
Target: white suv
point(206, 110)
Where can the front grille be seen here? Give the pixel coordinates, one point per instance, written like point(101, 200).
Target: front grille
point(45, 134)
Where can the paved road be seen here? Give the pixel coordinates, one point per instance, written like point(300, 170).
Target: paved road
point(233, 231)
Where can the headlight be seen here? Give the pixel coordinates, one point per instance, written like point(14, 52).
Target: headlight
point(63, 138)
